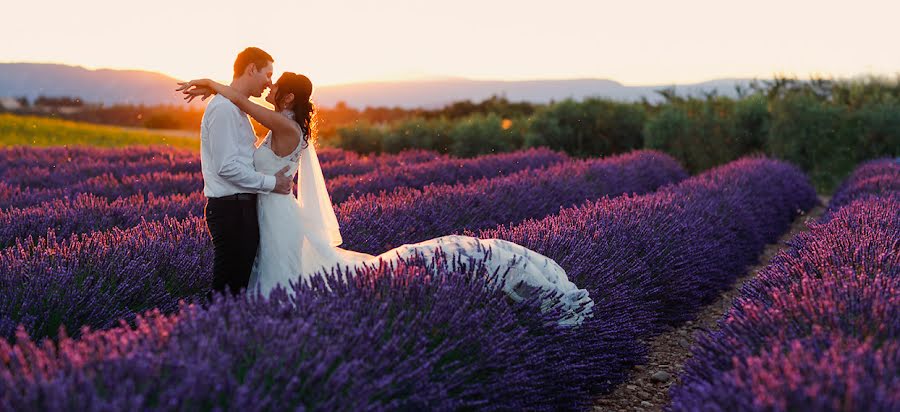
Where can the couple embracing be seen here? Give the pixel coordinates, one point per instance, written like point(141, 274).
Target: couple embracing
point(265, 237)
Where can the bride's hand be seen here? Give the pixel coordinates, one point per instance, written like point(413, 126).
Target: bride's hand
point(198, 91)
point(194, 88)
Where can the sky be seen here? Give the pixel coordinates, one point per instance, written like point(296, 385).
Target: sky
point(635, 42)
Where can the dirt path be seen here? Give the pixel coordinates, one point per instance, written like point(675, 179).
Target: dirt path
point(648, 388)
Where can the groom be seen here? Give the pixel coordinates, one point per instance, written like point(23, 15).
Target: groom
point(229, 181)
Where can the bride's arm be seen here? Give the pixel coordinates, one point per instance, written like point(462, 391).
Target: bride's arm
point(267, 117)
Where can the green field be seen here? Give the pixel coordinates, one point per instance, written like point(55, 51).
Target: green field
point(40, 131)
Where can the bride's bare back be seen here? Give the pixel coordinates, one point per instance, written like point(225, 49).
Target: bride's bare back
point(283, 144)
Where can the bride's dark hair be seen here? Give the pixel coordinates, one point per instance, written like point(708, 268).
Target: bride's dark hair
point(304, 110)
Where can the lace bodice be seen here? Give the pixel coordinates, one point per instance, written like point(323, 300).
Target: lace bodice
point(267, 162)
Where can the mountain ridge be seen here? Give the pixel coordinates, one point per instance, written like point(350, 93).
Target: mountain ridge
point(133, 86)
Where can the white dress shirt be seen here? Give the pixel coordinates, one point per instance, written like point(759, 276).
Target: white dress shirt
point(226, 152)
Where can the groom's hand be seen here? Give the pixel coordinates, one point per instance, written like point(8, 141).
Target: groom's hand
point(283, 184)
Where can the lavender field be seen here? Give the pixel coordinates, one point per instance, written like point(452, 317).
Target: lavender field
point(105, 258)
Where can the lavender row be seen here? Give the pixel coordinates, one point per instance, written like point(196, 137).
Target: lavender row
point(94, 279)
point(107, 186)
point(57, 167)
point(331, 154)
point(77, 170)
point(390, 339)
point(28, 156)
point(443, 171)
point(86, 212)
point(646, 260)
point(19, 156)
point(376, 223)
point(45, 169)
point(819, 329)
point(873, 178)
point(356, 165)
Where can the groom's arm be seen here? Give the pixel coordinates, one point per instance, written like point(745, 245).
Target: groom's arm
point(224, 125)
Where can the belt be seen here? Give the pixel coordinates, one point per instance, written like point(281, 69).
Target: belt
point(237, 196)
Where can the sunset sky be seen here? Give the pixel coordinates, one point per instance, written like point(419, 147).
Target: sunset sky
point(334, 41)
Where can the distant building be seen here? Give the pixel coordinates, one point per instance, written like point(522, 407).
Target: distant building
point(63, 105)
point(69, 109)
point(10, 103)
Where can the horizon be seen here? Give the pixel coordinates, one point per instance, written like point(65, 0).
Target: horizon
point(639, 43)
point(443, 77)
point(136, 86)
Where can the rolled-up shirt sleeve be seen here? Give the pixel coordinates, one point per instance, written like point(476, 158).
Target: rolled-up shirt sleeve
point(224, 125)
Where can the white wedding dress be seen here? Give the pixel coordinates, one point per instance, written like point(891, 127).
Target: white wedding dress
point(299, 236)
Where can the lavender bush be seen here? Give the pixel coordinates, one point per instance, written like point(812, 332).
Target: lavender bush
point(442, 171)
point(818, 329)
point(28, 156)
point(57, 167)
point(874, 178)
point(98, 278)
point(89, 157)
point(73, 171)
point(87, 212)
point(108, 186)
point(353, 165)
point(330, 154)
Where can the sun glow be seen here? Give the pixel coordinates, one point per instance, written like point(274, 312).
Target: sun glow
point(639, 42)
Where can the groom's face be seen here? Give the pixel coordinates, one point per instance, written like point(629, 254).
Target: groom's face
point(261, 79)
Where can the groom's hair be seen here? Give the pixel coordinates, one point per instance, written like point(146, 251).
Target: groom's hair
point(253, 55)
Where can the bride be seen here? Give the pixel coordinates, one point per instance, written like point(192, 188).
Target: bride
point(299, 236)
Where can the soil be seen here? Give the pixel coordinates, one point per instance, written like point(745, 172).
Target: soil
point(647, 389)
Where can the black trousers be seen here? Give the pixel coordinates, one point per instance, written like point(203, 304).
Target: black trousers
point(234, 228)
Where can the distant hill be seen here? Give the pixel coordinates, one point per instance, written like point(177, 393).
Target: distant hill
point(94, 86)
point(141, 87)
point(436, 93)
